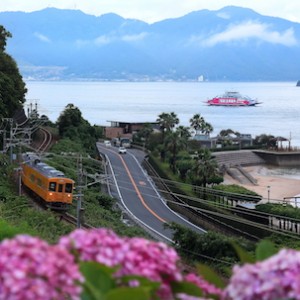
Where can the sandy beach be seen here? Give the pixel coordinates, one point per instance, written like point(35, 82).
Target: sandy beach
point(280, 187)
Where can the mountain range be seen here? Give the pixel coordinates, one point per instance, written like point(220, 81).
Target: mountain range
point(230, 44)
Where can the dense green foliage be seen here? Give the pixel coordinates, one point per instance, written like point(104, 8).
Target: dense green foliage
point(286, 210)
point(100, 211)
point(12, 87)
point(236, 189)
point(73, 126)
point(265, 141)
point(210, 247)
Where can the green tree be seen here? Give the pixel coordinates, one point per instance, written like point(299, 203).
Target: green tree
point(207, 128)
point(12, 87)
point(184, 132)
point(4, 34)
point(205, 169)
point(70, 117)
point(224, 136)
point(145, 133)
point(265, 140)
point(197, 122)
point(200, 125)
point(72, 125)
point(167, 122)
point(183, 166)
point(174, 143)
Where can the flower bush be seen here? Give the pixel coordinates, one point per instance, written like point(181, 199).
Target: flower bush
point(32, 269)
point(135, 256)
point(275, 278)
point(97, 264)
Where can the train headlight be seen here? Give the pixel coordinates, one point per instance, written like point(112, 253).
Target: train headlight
point(50, 194)
point(69, 195)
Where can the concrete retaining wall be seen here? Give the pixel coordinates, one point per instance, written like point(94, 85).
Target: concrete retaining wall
point(282, 159)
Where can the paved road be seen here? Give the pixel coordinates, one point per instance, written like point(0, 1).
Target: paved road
point(134, 188)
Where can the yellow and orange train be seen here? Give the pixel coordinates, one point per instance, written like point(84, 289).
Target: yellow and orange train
point(48, 184)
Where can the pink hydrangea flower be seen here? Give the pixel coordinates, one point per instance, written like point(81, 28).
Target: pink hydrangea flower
point(100, 245)
point(32, 269)
point(135, 256)
point(275, 278)
point(153, 260)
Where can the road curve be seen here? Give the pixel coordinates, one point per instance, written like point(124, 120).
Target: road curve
point(134, 188)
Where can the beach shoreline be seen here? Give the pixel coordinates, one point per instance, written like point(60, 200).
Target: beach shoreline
point(271, 188)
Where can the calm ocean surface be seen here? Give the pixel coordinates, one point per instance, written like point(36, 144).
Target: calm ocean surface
point(100, 102)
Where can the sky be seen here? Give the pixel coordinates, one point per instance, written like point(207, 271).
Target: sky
point(155, 10)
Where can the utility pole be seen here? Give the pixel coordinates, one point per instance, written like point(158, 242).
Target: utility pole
point(79, 195)
point(11, 138)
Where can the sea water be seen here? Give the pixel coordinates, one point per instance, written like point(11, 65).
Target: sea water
point(102, 102)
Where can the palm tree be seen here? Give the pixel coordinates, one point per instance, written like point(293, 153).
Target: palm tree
point(207, 128)
point(197, 122)
point(167, 122)
point(184, 132)
point(204, 169)
point(175, 142)
point(145, 132)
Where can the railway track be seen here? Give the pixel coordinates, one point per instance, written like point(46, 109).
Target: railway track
point(72, 220)
point(202, 217)
point(46, 142)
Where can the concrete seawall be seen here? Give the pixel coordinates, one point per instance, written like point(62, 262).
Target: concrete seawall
point(281, 159)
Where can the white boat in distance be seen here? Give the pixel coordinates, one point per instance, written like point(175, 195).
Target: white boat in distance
point(232, 98)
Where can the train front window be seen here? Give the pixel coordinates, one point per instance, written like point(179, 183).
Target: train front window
point(52, 186)
point(68, 188)
point(60, 188)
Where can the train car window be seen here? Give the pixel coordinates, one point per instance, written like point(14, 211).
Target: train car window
point(52, 186)
point(60, 188)
point(39, 182)
point(68, 188)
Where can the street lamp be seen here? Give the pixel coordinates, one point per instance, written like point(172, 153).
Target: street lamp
point(268, 193)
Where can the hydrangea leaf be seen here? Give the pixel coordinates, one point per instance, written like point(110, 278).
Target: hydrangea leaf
point(187, 288)
point(243, 255)
point(98, 280)
point(264, 250)
point(210, 275)
point(129, 293)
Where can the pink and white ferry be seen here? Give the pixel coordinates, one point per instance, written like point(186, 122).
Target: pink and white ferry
point(232, 99)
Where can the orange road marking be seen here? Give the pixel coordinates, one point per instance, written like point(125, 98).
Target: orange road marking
point(139, 193)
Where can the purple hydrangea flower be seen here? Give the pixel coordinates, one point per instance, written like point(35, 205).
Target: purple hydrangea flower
point(275, 278)
point(32, 269)
point(135, 256)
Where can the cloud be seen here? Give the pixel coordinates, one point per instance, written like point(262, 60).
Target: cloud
point(103, 40)
point(250, 30)
point(107, 39)
point(42, 37)
point(99, 41)
point(134, 37)
point(223, 16)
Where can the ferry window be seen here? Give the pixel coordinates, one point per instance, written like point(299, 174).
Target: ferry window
point(60, 188)
point(52, 186)
point(68, 188)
